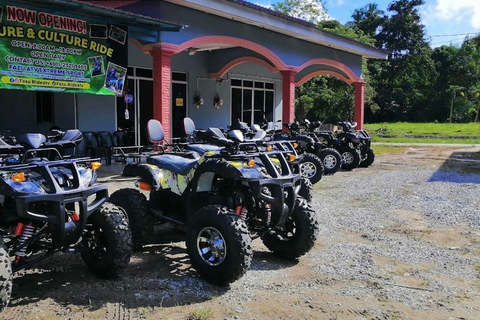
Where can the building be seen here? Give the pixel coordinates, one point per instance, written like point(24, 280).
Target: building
point(211, 60)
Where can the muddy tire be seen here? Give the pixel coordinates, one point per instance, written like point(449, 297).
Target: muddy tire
point(109, 240)
point(298, 235)
point(140, 218)
point(331, 159)
point(369, 159)
point(311, 167)
point(218, 244)
point(350, 157)
point(6, 277)
point(306, 190)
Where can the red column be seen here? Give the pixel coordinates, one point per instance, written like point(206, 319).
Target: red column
point(358, 113)
point(288, 113)
point(162, 87)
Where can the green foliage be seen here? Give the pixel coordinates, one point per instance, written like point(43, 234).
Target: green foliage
point(329, 99)
point(309, 10)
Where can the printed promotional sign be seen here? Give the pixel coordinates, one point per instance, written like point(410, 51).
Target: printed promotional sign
point(48, 52)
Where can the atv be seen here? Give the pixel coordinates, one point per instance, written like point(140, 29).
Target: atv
point(331, 158)
point(50, 204)
point(223, 199)
point(197, 138)
point(312, 165)
point(354, 146)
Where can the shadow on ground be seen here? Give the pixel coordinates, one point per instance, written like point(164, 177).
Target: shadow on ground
point(160, 275)
point(460, 167)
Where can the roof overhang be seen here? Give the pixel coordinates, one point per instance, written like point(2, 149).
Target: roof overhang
point(252, 16)
point(140, 27)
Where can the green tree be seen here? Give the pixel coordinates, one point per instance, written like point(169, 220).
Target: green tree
point(368, 19)
point(309, 10)
point(402, 80)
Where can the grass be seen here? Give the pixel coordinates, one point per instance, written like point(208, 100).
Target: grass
point(201, 314)
point(381, 150)
point(405, 132)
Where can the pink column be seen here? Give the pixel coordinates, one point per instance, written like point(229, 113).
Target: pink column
point(288, 113)
point(358, 113)
point(162, 87)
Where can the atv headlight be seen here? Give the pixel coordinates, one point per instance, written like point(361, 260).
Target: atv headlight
point(87, 176)
point(23, 184)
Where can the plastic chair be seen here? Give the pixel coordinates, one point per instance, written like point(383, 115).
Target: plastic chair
point(92, 145)
point(105, 140)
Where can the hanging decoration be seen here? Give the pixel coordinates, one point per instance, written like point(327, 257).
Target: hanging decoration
point(197, 99)
point(128, 98)
point(217, 101)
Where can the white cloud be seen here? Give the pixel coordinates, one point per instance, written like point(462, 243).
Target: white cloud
point(453, 11)
point(335, 3)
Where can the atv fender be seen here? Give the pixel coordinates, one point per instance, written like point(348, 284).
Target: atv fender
point(205, 173)
point(149, 173)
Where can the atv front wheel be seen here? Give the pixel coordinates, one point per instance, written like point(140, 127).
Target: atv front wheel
point(218, 244)
point(108, 237)
point(6, 277)
point(298, 235)
point(141, 219)
point(350, 157)
point(306, 190)
point(369, 159)
point(311, 167)
point(332, 160)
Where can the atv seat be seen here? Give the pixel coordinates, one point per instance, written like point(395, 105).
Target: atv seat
point(201, 149)
point(6, 148)
point(173, 163)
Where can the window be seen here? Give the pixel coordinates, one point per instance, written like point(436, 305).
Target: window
point(44, 106)
point(252, 101)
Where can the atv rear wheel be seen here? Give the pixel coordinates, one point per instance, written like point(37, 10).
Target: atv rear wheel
point(218, 244)
point(369, 159)
point(350, 157)
point(298, 235)
point(6, 277)
point(311, 167)
point(331, 159)
point(141, 219)
point(109, 239)
point(306, 190)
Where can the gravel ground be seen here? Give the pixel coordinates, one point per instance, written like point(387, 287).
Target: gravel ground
point(398, 240)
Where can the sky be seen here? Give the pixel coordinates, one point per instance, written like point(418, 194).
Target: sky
point(446, 21)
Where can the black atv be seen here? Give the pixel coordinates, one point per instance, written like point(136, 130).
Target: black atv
point(197, 138)
point(354, 146)
point(312, 165)
point(331, 158)
point(223, 199)
point(50, 204)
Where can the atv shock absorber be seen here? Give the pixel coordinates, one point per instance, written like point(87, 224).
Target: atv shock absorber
point(268, 211)
point(26, 232)
point(242, 212)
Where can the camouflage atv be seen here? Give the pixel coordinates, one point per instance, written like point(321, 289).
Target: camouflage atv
point(223, 199)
